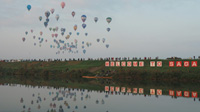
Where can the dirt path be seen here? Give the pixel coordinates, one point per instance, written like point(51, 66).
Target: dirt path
point(94, 69)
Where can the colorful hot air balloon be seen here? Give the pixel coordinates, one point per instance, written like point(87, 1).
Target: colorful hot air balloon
point(107, 45)
point(26, 32)
point(84, 25)
point(75, 27)
point(84, 51)
point(62, 4)
point(103, 40)
point(52, 10)
point(47, 14)
point(108, 29)
point(67, 37)
point(73, 13)
point(56, 35)
point(47, 20)
point(96, 19)
point(52, 35)
point(29, 7)
point(31, 31)
point(77, 33)
point(70, 33)
point(86, 34)
point(83, 17)
point(23, 39)
point(45, 24)
point(41, 33)
point(108, 19)
point(57, 17)
point(56, 28)
point(40, 18)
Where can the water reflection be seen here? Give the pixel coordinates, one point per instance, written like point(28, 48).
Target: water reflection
point(54, 99)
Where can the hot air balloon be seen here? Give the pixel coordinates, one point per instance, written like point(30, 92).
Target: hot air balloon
point(62, 33)
point(41, 33)
point(75, 27)
point(56, 35)
point(83, 17)
point(98, 40)
point(45, 24)
point(31, 31)
point(84, 25)
point(107, 45)
point(23, 39)
point(57, 17)
point(52, 35)
point(83, 47)
point(47, 14)
point(96, 19)
point(86, 34)
point(70, 33)
point(108, 19)
point(73, 13)
point(52, 10)
point(67, 37)
point(76, 41)
point(47, 20)
point(29, 7)
point(77, 33)
point(108, 29)
point(50, 28)
point(33, 37)
point(103, 40)
point(84, 51)
point(57, 28)
point(82, 42)
point(26, 32)
point(62, 4)
point(34, 44)
point(40, 18)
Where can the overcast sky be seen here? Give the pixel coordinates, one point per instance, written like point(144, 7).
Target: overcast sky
point(139, 28)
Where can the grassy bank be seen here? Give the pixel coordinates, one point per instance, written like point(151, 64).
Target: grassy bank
point(74, 70)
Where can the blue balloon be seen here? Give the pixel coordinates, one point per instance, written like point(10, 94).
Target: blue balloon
point(82, 42)
point(84, 25)
point(70, 33)
point(86, 34)
point(62, 33)
point(77, 33)
point(108, 29)
point(29, 7)
point(84, 51)
point(45, 24)
point(47, 20)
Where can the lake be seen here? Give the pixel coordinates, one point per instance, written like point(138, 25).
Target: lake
point(24, 98)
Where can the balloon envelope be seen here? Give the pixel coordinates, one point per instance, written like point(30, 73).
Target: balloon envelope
point(29, 7)
point(52, 10)
point(57, 17)
point(83, 17)
point(40, 18)
point(47, 14)
point(96, 19)
point(84, 25)
point(108, 29)
point(108, 19)
point(62, 4)
point(75, 27)
point(73, 13)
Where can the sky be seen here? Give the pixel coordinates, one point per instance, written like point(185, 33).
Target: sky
point(139, 28)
